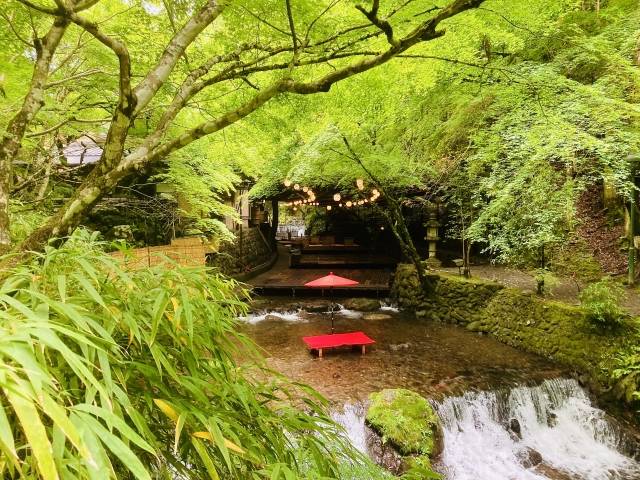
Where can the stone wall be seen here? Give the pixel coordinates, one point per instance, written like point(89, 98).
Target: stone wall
point(554, 330)
point(249, 250)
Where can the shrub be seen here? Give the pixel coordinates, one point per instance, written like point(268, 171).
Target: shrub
point(111, 373)
point(602, 302)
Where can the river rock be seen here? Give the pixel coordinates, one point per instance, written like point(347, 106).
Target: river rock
point(318, 308)
point(362, 304)
point(407, 421)
point(475, 327)
point(528, 457)
point(552, 472)
point(377, 316)
point(514, 426)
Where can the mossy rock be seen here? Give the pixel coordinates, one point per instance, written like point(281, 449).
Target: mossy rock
point(405, 420)
point(362, 304)
point(419, 468)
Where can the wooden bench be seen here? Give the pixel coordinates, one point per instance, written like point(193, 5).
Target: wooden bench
point(353, 339)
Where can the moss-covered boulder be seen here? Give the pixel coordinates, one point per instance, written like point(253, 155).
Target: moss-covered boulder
point(362, 304)
point(407, 421)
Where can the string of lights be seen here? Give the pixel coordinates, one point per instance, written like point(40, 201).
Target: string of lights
point(338, 199)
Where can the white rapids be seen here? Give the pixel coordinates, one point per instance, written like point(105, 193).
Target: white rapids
point(557, 423)
point(556, 419)
point(289, 316)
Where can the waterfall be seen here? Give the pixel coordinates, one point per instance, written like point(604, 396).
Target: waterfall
point(547, 432)
point(352, 419)
point(489, 435)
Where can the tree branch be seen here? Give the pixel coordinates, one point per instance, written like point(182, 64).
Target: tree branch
point(64, 122)
point(372, 16)
point(156, 77)
point(15, 31)
point(84, 74)
point(292, 28)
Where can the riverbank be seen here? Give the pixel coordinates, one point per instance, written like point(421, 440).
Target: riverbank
point(434, 359)
point(505, 411)
point(554, 330)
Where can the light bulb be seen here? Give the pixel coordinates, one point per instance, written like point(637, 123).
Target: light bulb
point(337, 197)
point(287, 183)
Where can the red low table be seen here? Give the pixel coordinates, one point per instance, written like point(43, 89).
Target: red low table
point(320, 342)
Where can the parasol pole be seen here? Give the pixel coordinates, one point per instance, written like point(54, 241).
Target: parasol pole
point(331, 306)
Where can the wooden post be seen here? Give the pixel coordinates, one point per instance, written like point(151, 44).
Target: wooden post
point(319, 353)
point(364, 349)
point(633, 164)
point(274, 223)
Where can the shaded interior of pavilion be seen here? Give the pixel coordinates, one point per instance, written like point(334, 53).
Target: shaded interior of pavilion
point(320, 230)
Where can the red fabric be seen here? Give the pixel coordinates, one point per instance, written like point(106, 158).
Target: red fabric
point(331, 280)
point(337, 340)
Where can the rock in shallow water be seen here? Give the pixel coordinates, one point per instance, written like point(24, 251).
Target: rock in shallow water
point(528, 457)
point(377, 316)
point(514, 426)
point(362, 304)
point(407, 421)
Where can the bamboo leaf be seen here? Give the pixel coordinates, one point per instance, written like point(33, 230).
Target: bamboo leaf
point(118, 448)
point(35, 432)
point(167, 409)
point(109, 417)
point(179, 426)
point(7, 443)
point(206, 459)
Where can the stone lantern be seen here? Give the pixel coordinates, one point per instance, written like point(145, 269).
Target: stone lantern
point(432, 238)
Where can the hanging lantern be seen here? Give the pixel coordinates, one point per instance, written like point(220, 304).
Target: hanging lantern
point(337, 197)
point(360, 183)
point(287, 183)
point(349, 203)
point(295, 209)
point(305, 189)
point(296, 187)
point(339, 204)
point(328, 207)
point(381, 228)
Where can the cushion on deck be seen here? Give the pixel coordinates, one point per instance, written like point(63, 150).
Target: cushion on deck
point(337, 340)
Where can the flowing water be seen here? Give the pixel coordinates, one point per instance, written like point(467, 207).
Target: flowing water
point(500, 434)
point(506, 415)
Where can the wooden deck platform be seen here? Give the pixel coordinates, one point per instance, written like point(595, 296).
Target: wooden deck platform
point(345, 260)
point(282, 280)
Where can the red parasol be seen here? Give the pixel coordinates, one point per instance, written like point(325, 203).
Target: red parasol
point(330, 281)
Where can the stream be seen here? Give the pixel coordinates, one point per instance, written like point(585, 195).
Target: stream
point(506, 414)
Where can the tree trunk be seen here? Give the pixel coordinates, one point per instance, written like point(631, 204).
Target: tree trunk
point(401, 232)
point(33, 101)
point(397, 223)
point(274, 224)
point(465, 259)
